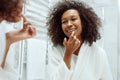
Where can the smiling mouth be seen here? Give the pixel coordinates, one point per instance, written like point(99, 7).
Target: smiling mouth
point(71, 30)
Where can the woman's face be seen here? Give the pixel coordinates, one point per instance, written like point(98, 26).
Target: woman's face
point(71, 22)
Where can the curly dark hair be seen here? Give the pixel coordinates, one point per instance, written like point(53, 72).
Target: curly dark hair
point(8, 6)
point(89, 19)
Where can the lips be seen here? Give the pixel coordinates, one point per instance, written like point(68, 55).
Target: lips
point(71, 30)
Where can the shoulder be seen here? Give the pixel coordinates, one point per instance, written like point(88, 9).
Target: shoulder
point(97, 54)
point(3, 27)
point(98, 51)
point(97, 48)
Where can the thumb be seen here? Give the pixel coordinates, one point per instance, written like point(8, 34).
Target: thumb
point(65, 41)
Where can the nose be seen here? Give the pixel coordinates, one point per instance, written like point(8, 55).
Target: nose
point(69, 23)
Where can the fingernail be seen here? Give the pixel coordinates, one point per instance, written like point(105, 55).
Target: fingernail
point(72, 33)
point(65, 39)
point(74, 37)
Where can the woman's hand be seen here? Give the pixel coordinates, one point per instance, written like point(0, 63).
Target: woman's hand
point(28, 28)
point(71, 45)
point(28, 31)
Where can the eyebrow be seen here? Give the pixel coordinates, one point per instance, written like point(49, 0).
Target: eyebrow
point(70, 16)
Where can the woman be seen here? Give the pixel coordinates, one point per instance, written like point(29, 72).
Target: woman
point(73, 28)
point(11, 11)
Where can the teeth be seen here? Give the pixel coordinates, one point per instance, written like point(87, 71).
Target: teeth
point(71, 30)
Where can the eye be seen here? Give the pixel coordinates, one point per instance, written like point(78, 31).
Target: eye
point(73, 19)
point(64, 22)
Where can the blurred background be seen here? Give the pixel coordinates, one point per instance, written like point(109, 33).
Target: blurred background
point(30, 58)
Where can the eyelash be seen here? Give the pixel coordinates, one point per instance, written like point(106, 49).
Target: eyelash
point(64, 22)
point(71, 20)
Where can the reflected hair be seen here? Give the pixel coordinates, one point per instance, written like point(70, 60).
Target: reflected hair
point(7, 6)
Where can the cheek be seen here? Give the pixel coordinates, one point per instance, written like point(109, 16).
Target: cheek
point(80, 31)
point(79, 28)
point(63, 28)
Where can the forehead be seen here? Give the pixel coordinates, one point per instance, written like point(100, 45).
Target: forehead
point(70, 12)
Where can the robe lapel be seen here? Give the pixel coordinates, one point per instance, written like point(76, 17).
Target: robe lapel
point(81, 62)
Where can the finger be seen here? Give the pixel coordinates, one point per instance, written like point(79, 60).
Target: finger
point(78, 40)
point(24, 18)
point(32, 31)
point(71, 37)
point(77, 44)
point(65, 42)
point(73, 33)
point(25, 22)
point(74, 40)
point(26, 25)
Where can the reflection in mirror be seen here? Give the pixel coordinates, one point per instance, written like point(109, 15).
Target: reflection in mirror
point(11, 67)
point(10, 13)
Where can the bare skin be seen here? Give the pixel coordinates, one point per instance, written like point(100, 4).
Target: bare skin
point(72, 46)
point(71, 26)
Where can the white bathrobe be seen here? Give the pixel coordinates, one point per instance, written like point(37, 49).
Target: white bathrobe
point(8, 73)
point(90, 64)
